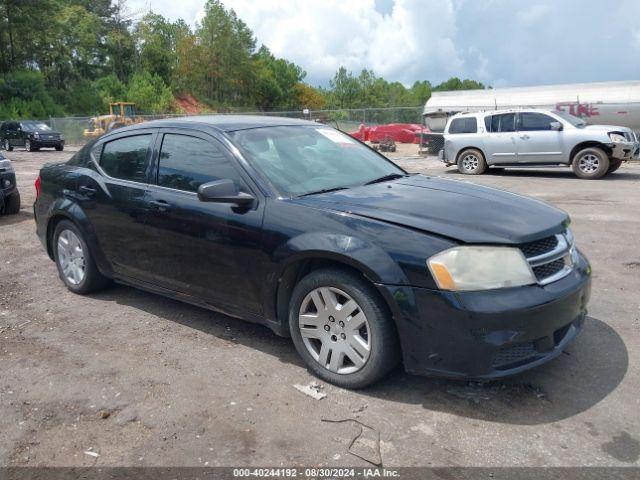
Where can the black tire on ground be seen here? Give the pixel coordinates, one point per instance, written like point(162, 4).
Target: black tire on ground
point(12, 203)
point(93, 280)
point(59, 147)
point(383, 340)
point(590, 163)
point(28, 146)
point(471, 162)
point(7, 146)
point(614, 164)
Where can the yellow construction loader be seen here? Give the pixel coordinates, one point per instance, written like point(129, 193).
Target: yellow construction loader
point(120, 114)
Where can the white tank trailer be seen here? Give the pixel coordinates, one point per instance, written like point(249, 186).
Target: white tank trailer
point(603, 103)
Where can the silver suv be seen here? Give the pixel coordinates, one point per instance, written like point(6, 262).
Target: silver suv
point(535, 138)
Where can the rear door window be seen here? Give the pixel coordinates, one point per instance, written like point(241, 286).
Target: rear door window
point(504, 122)
point(463, 125)
point(127, 158)
point(187, 162)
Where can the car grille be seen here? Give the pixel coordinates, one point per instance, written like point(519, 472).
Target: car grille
point(539, 247)
point(513, 354)
point(548, 269)
point(549, 257)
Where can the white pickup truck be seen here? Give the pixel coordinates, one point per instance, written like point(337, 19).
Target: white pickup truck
point(535, 138)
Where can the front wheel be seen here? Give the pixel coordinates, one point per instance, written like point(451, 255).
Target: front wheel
point(471, 162)
point(59, 147)
point(590, 163)
point(7, 146)
point(75, 263)
point(342, 329)
point(28, 146)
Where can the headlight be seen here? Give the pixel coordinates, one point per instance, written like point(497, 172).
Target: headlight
point(617, 138)
point(480, 268)
point(35, 134)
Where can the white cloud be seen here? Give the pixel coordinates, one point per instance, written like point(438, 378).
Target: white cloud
point(500, 42)
point(322, 36)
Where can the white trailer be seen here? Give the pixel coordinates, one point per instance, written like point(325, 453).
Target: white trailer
point(604, 103)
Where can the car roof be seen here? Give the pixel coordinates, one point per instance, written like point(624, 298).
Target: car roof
point(223, 123)
point(505, 110)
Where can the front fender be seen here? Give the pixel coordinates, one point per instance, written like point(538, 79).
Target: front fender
point(368, 258)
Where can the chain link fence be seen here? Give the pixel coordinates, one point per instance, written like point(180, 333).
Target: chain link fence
point(347, 120)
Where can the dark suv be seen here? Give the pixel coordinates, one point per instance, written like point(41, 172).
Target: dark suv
point(299, 227)
point(9, 195)
point(30, 134)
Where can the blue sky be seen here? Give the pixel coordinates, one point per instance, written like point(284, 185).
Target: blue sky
point(500, 42)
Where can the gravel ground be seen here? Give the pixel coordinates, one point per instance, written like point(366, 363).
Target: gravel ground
point(142, 380)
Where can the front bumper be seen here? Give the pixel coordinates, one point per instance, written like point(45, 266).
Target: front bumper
point(46, 142)
point(7, 182)
point(624, 150)
point(488, 334)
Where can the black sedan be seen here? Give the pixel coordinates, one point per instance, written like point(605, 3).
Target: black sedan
point(299, 227)
point(30, 134)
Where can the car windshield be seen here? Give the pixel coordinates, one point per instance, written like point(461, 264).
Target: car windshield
point(35, 126)
point(302, 160)
point(575, 121)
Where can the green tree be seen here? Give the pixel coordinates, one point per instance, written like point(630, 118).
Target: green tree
point(149, 93)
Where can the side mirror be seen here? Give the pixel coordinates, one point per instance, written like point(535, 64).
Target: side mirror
point(557, 126)
point(224, 191)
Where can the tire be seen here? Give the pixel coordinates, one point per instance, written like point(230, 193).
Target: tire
point(614, 165)
point(91, 280)
point(471, 162)
point(59, 148)
point(7, 146)
point(27, 146)
point(590, 163)
point(377, 349)
point(12, 203)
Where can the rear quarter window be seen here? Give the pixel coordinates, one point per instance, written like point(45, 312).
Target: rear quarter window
point(463, 125)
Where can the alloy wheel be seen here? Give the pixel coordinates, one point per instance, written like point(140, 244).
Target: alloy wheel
point(6, 145)
point(27, 146)
point(335, 330)
point(589, 163)
point(470, 163)
point(71, 257)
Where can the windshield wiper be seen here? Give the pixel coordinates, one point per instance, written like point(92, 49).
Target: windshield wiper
point(324, 190)
point(391, 176)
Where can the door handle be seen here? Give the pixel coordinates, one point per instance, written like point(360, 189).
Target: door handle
point(160, 205)
point(89, 191)
point(525, 137)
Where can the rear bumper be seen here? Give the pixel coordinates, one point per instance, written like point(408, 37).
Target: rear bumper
point(490, 334)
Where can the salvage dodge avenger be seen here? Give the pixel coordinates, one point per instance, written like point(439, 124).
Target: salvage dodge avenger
point(304, 229)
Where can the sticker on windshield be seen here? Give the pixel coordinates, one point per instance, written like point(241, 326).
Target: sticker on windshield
point(334, 136)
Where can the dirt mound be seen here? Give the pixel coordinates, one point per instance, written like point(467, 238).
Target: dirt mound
point(188, 104)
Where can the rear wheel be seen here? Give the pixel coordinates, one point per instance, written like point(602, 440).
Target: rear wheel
point(12, 203)
point(7, 146)
point(590, 163)
point(75, 264)
point(614, 165)
point(471, 162)
point(342, 329)
point(59, 147)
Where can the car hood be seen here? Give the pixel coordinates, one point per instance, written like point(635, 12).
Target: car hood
point(455, 209)
point(607, 128)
